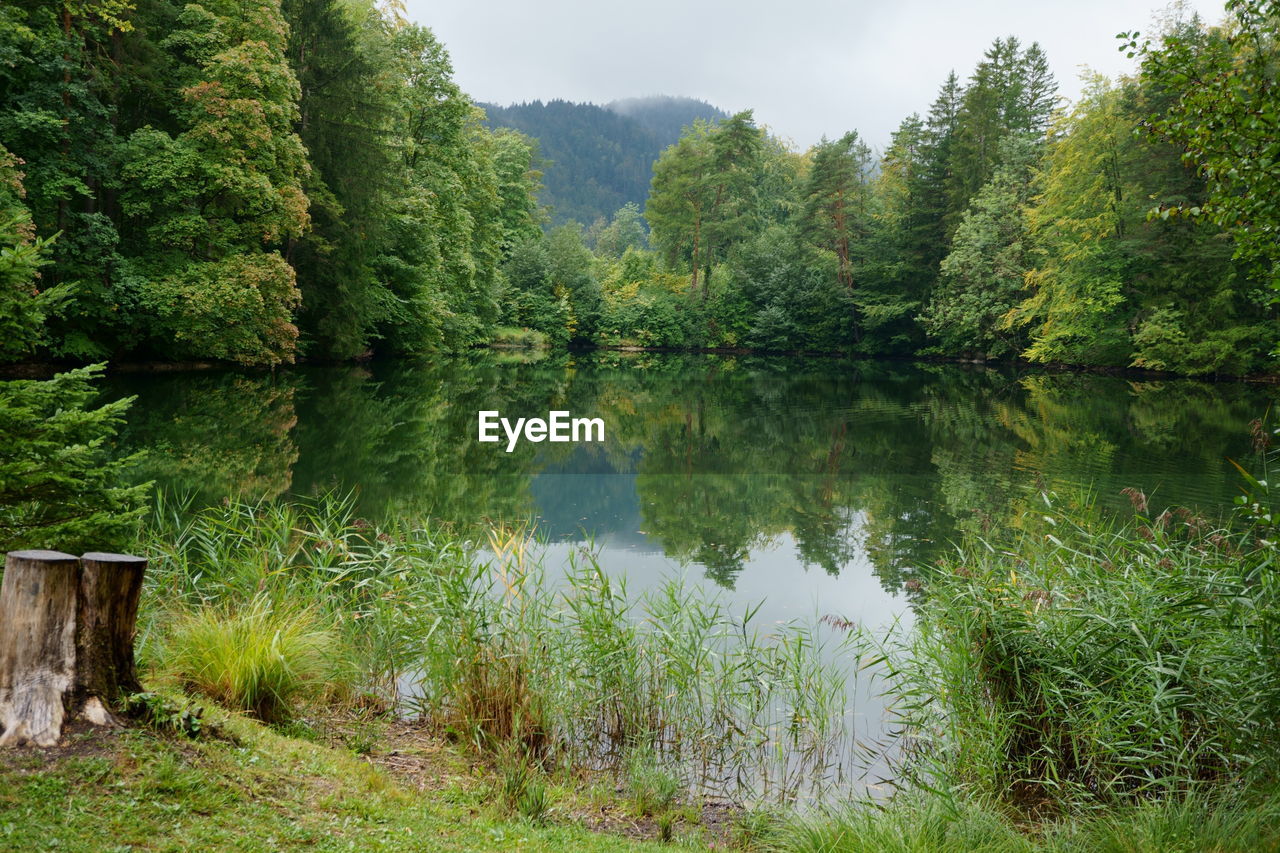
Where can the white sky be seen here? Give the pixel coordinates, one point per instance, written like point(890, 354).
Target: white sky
point(807, 67)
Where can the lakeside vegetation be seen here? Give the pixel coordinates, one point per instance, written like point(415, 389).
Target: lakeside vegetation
point(304, 179)
point(261, 181)
point(1074, 682)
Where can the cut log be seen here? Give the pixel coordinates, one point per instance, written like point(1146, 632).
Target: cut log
point(37, 644)
point(67, 628)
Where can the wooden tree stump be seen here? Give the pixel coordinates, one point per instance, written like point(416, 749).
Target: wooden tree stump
point(106, 620)
point(66, 640)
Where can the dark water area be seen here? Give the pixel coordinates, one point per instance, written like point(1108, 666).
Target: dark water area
point(709, 461)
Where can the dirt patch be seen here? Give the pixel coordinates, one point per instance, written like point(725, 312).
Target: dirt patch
point(79, 740)
point(421, 759)
point(716, 820)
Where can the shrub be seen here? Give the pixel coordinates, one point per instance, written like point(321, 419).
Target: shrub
point(1079, 665)
point(258, 659)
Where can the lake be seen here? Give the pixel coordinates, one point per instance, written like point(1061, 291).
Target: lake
point(816, 488)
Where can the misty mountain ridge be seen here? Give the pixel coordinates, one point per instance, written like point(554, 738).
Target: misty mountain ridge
point(600, 157)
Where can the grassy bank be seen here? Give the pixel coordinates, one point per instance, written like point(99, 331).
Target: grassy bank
point(1084, 683)
point(248, 787)
point(256, 604)
point(1080, 683)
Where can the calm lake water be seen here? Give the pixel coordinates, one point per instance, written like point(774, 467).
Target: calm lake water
point(818, 487)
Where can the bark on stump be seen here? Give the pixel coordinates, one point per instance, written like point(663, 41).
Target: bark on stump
point(66, 640)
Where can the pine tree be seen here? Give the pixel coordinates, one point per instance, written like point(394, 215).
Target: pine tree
point(835, 199)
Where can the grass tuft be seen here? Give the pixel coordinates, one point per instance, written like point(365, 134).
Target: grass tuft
point(260, 658)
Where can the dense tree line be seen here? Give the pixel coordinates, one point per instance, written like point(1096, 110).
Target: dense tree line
point(245, 181)
point(1140, 227)
point(261, 180)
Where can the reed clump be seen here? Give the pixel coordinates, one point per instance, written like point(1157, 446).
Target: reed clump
point(568, 668)
point(1083, 663)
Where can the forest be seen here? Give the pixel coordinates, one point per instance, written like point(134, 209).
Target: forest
point(597, 159)
point(791, 603)
point(303, 179)
point(245, 183)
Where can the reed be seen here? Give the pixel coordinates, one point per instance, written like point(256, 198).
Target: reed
point(566, 666)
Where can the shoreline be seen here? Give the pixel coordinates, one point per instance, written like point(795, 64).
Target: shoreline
point(47, 369)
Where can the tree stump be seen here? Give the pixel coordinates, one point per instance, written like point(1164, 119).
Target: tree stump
point(66, 641)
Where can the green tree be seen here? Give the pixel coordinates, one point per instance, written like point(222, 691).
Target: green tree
point(704, 194)
point(1226, 119)
point(445, 236)
point(569, 267)
point(340, 55)
point(58, 83)
point(902, 241)
point(209, 203)
point(1110, 284)
point(625, 231)
point(59, 479)
point(982, 277)
point(836, 199)
point(1011, 91)
point(22, 305)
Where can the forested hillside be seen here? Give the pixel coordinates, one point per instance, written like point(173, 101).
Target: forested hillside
point(597, 159)
point(254, 183)
point(245, 181)
point(1138, 227)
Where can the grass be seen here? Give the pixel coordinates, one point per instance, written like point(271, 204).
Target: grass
point(255, 790)
point(260, 657)
point(1084, 664)
point(930, 824)
point(568, 667)
point(1083, 684)
point(1076, 684)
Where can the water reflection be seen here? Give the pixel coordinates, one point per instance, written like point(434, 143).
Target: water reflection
point(810, 489)
point(707, 461)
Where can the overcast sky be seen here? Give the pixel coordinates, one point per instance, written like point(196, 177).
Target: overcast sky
point(807, 67)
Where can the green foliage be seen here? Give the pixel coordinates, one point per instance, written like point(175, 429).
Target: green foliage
point(1111, 285)
point(343, 117)
point(534, 300)
point(704, 197)
point(835, 199)
point(251, 183)
point(1011, 92)
point(60, 481)
point(1080, 665)
point(260, 657)
point(652, 789)
point(625, 231)
point(1225, 120)
point(982, 277)
point(206, 203)
point(21, 256)
point(599, 158)
point(165, 715)
point(219, 174)
point(236, 309)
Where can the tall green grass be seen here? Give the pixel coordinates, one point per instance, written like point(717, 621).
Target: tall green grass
point(1083, 684)
point(566, 666)
point(1082, 663)
point(258, 657)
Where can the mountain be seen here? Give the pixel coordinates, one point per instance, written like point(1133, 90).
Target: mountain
point(600, 157)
